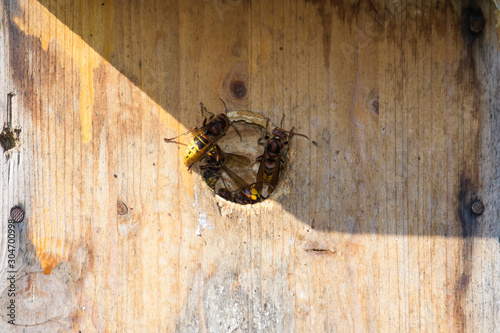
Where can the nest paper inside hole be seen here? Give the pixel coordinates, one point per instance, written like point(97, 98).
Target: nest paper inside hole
point(241, 164)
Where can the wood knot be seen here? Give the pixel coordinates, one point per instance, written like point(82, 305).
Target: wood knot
point(238, 88)
point(374, 105)
point(121, 208)
point(235, 86)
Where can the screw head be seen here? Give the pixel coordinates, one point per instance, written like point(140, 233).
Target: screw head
point(477, 207)
point(476, 23)
point(17, 214)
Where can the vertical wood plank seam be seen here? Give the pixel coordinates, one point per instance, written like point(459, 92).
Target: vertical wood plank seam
point(398, 25)
point(449, 283)
point(421, 319)
point(431, 46)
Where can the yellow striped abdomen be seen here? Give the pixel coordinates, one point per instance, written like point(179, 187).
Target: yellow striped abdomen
point(196, 149)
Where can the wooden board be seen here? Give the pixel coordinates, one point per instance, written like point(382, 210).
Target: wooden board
point(372, 229)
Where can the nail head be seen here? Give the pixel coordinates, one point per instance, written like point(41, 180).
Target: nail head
point(477, 207)
point(476, 23)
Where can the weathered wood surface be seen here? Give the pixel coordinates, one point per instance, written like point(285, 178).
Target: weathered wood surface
point(373, 230)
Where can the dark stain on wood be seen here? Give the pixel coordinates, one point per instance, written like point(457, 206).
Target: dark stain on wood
point(469, 178)
point(466, 69)
point(464, 266)
point(324, 9)
point(469, 86)
point(17, 39)
point(466, 72)
point(465, 199)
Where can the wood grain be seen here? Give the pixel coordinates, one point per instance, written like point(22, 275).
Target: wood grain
point(372, 228)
